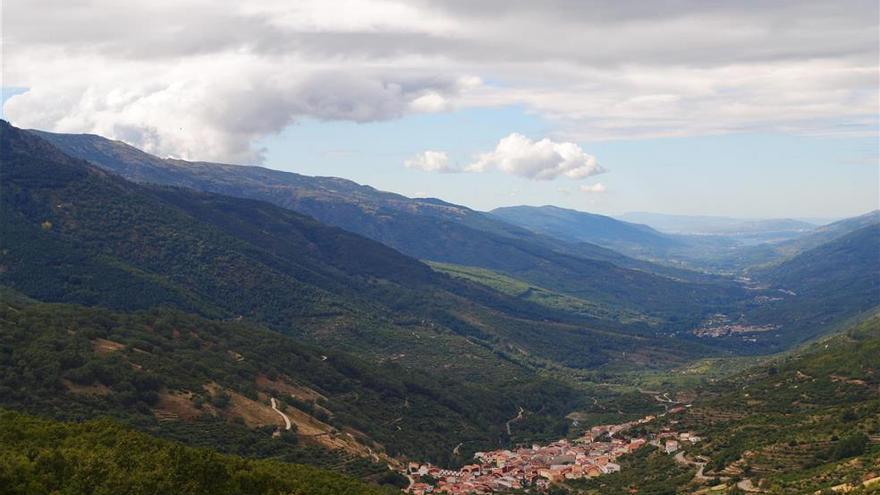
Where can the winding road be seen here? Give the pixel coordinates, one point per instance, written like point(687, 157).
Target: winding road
point(681, 459)
point(518, 417)
point(287, 424)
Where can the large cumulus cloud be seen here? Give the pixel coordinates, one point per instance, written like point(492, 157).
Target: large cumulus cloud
point(539, 160)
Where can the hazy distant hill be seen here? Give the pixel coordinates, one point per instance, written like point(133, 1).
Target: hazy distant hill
point(723, 250)
point(829, 232)
point(578, 226)
point(724, 233)
point(423, 228)
point(710, 225)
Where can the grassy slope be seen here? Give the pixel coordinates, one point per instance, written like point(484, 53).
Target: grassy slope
point(538, 295)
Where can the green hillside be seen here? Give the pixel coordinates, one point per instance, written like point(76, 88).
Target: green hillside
point(823, 286)
point(105, 241)
point(806, 422)
point(187, 314)
point(103, 458)
point(801, 424)
point(209, 383)
point(75, 234)
point(527, 292)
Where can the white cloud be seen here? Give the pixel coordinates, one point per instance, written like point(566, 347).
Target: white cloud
point(593, 188)
point(537, 160)
point(209, 79)
point(189, 111)
point(430, 161)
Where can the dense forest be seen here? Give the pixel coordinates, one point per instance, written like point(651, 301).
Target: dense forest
point(100, 457)
point(74, 362)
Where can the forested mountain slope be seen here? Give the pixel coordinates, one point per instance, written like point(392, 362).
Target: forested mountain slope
point(423, 228)
point(803, 423)
point(76, 234)
point(102, 458)
point(824, 285)
point(103, 240)
point(209, 383)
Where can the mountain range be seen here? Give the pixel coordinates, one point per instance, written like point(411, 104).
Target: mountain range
point(427, 229)
point(76, 234)
point(712, 225)
point(581, 227)
point(200, 302)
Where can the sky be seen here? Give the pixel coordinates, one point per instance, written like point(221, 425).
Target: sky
point(748, 109)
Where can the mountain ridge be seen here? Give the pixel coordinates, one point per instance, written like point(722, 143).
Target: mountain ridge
point(425, 229)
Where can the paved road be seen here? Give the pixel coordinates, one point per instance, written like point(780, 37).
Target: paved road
point(287, 424)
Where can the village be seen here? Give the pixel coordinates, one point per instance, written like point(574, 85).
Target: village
point(537, 467)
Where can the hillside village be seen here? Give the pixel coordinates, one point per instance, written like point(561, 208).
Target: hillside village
point(537, 467)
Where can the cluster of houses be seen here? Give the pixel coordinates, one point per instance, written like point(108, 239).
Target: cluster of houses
point(591, 455)
point(732, 329)
point(670, 441)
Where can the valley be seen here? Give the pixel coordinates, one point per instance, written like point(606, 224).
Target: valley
point(439, 247)
point(281, 324)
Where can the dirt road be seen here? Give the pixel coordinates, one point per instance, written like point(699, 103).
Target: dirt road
point(287, 424)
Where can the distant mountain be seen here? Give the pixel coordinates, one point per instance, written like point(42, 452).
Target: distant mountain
point(577, 226)
point(746, 230)
point(829, 232)
point(716, 253)
point(427, 229)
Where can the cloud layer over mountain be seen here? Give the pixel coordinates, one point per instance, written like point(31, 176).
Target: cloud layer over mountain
point(193, 78)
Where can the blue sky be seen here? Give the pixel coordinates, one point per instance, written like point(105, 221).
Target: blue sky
point(746, 175)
